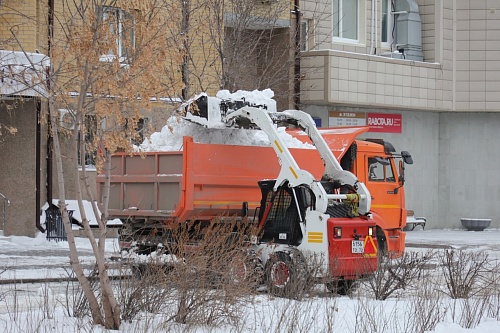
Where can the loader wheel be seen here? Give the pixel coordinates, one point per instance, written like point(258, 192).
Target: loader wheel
point(287, 276)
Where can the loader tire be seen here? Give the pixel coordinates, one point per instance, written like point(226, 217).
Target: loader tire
point(287, 275)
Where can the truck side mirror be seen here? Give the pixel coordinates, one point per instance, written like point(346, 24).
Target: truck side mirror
point(406, 157)
point(402, 173)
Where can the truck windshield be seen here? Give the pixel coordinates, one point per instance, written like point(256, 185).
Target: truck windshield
point(380, 170)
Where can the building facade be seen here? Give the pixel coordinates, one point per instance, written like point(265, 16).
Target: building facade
point(425, 75)
point(28, 180)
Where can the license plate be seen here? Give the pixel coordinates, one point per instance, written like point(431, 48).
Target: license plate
point(358, 246)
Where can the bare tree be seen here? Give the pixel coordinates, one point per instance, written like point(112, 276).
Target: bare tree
point(110, 62)
point(250, 44)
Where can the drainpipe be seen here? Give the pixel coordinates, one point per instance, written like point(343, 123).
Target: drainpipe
point(49, 120)
point(296, 67)
point(5, 202)
point(38, 163)
point(372, 35)
point(50, 35)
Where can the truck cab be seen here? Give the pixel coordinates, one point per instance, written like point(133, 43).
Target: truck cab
point(376, 165)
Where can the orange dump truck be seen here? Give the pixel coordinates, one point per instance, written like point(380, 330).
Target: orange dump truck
point(207, 180)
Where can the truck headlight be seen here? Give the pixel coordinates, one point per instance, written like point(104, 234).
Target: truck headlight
point(370, 231)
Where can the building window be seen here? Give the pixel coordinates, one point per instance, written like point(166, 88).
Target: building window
point(88, 135)
point(387, 23)
point(121, 26)
point(345, 19)
point(304, 35)
point(139, 132)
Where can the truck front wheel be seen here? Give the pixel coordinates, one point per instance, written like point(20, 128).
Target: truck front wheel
point(381, 242)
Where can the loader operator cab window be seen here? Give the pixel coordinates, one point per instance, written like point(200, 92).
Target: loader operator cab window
point(380, 170)
point(282, 222)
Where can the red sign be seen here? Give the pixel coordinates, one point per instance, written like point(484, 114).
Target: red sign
point(384, 122)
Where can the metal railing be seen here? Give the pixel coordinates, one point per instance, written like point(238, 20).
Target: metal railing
point(6, 202)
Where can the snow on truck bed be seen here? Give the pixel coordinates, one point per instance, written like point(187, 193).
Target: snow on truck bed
point(170, 137)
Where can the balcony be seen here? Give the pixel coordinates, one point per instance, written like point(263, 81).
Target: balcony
point(332, 77)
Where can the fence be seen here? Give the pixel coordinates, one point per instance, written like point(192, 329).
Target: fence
point(54, 224)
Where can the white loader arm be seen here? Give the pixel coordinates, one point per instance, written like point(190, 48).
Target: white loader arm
point(289, 169)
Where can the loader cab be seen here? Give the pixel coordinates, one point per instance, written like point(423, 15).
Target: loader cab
point(281, 212)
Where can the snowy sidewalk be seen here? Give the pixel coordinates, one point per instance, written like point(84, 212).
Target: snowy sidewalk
point(36, 258)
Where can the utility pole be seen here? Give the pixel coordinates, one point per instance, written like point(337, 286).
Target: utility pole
point(296, 67)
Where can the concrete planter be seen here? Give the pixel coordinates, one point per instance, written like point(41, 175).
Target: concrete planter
point(475, 224)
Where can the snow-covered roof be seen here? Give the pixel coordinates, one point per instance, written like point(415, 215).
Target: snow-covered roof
point(23, 73)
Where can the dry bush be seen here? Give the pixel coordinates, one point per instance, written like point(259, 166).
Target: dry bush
point(398, 274)
point(142, 291)
point(201, 274)
point(424, 310)
point(216, 273)
point(372, 316)
point(76, 304)
point(464, 272)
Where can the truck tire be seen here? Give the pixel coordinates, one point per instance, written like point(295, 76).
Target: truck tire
point(287, 275)
point(246, 269)
point(340, 287)
point(381, 242)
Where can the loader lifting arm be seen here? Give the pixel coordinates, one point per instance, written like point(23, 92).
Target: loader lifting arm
point(290, 171)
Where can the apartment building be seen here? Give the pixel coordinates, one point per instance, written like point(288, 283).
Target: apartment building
point(28, 180)
point(259, 34)
point(424, 75)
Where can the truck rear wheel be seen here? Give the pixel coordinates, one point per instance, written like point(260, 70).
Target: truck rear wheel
point(246, 268)
point(341, 287)
point(287, 276)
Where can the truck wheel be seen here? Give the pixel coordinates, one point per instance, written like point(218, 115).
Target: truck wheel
point(340, 287)
point(381, 242)
point(287, 276)
point(246, 268)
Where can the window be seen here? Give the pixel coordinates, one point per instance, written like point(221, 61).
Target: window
point(90, 125)
point(140, 132)
point(304, 35)
point(387, 23)
point(121, 25)
point(380, 169)
point(345, 19)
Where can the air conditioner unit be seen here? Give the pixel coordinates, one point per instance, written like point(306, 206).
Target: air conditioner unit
point(66, 119)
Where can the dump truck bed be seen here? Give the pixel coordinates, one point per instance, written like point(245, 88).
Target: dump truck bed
point(203, 180)
point(200, 182)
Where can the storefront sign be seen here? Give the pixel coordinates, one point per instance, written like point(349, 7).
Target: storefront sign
point(384, 122)
point(378, 122)
point(342, 118)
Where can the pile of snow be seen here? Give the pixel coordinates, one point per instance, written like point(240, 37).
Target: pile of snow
point(214, 130)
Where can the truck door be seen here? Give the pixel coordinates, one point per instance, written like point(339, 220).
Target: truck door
point(382, 181)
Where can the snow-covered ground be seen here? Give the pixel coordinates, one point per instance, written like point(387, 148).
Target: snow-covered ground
point(43, 308)
point(24, 257)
